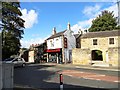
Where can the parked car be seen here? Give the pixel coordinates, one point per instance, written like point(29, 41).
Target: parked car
point(16, 61)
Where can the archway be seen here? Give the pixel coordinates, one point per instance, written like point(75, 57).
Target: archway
point(97, 55)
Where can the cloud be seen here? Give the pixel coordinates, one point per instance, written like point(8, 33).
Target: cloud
point(92, 12)
point(113, 8)
point(26, 43)
point(83, 25)
point(30, 17)
point(114, 1)
point(35, 35)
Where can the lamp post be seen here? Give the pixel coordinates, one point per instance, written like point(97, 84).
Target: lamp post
point(118, 3)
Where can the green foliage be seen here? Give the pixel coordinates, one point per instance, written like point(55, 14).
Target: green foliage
point(24, 49)
point(12, 28)
point(104, 22)
point(98, 52)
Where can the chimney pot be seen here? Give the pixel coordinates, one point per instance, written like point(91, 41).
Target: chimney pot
point(54, 31)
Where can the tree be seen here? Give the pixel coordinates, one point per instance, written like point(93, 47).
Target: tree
point(104, 22)
point(12, 28)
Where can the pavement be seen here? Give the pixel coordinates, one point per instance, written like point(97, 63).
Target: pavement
point(111, 68)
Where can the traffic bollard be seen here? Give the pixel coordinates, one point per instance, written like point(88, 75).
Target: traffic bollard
point(61, 82)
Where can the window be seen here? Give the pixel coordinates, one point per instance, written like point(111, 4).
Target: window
point(111, 40)
point(56, 39)
point(52, 44)
point(94, 41)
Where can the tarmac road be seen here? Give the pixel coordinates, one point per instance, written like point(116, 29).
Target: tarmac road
point(46, 77)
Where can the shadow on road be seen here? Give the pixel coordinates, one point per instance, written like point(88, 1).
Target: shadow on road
point(38, 77)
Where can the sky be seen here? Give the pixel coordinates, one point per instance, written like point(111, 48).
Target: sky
point(41, 17)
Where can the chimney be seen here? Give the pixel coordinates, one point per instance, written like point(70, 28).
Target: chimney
point(68, 26)
point(80, 32)
point(54, 31)
point(85, 31)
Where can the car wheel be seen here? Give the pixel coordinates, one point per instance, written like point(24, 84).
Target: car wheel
point(23, 65)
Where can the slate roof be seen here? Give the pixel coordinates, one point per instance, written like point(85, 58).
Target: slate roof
point(39, 45)
point(56, 35)
point(101, 34)
point(76, 35)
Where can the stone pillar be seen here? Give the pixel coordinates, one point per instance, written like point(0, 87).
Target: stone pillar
point(57, 57)
point(107, 59)
point(104, 56)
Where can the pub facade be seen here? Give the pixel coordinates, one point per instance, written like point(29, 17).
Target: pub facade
point(60, 45)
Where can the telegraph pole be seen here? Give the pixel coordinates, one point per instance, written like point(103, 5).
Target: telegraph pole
point(118, 3)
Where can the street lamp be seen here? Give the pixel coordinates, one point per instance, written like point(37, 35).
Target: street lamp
point(118, 3)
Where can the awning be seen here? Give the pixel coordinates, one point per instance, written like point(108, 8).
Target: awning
point(53, 50)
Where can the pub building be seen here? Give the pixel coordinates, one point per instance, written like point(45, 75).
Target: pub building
point(59, 46)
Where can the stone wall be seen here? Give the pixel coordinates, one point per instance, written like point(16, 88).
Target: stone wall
point(102, 43)
point(110, 52)
point(113, 56)
point(81, 56)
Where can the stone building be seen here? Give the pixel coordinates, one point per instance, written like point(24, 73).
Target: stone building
point(98, 48)
point(41, 55)
point(32, 53)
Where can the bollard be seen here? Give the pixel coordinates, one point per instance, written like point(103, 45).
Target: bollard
point(61, 82)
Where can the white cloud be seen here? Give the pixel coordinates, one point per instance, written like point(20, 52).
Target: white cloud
point(81, 25)
point(113, 8)
point(114, 1)
point(27, 44)
point(92, 13)
point(30, 17)
point(34, 41)
point(35, 35)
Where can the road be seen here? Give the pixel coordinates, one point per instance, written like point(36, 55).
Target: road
point(46, 77)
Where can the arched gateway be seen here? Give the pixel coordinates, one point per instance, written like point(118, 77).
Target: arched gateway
point(96, 55)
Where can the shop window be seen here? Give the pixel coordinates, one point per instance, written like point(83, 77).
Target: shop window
point(52, 44)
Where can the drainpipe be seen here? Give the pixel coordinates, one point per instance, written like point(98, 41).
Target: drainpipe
point(63, 49)
point(47, 57)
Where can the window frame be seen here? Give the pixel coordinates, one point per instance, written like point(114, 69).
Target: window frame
point(95, 42)
point(111, 42)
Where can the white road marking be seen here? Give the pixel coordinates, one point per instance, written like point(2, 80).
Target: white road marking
point(81, 72)
point(98, 79)
point(72, 72)
point(92, 79)
point(117, 81)
point(93, 76)
point(70, 75)
point(89, 78)
point(77, 66)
